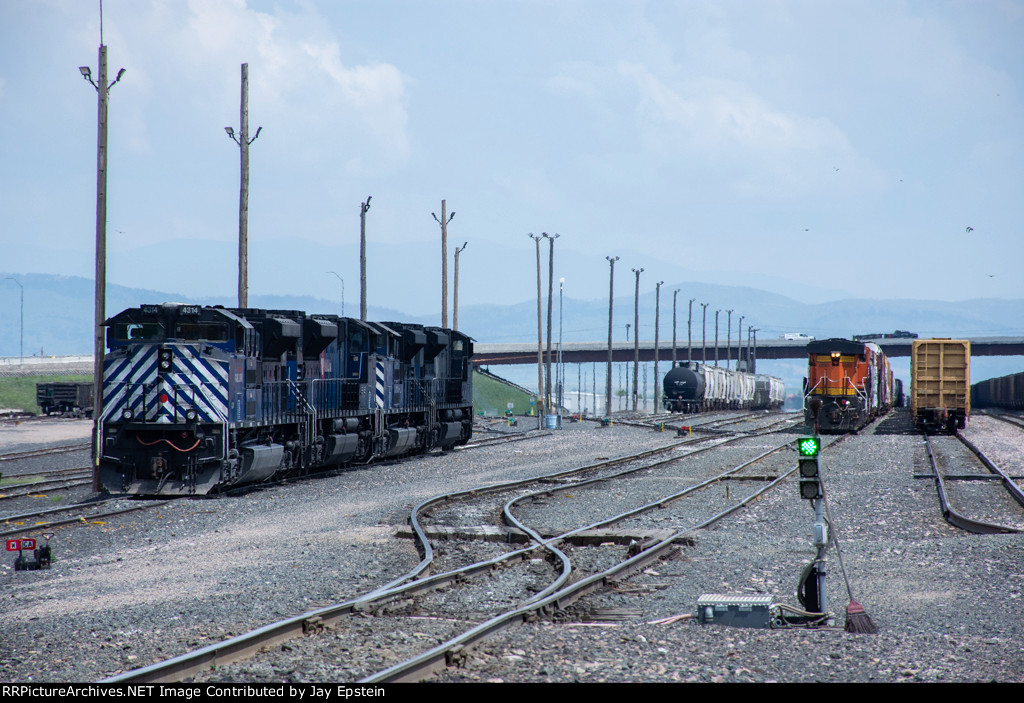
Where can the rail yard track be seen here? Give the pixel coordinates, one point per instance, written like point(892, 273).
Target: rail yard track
point(973, 493)
point(531, 594)
point(322, 569)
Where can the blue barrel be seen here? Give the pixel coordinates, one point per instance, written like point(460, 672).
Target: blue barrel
point(551, 422)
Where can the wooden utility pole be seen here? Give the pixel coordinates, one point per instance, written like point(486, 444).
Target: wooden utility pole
point(99, 317)
point(455, 295)
point(363, 207)
point(243, 142)
point(243, 196)
point(445, 219)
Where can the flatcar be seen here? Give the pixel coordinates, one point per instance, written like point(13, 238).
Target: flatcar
point(940, 384)
point(694, 387)
point(1003, 392)
point(198, 399)
point(848, 384)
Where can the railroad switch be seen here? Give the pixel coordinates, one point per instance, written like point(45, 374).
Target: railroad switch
point(41, 556)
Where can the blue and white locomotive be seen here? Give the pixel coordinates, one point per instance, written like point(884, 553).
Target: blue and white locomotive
point(197, 399)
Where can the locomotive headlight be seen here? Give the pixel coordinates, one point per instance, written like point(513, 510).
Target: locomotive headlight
point(126, 414)
point(165, 364)
point(191, 415)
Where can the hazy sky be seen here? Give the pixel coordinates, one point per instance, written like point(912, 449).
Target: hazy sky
point(821, 149)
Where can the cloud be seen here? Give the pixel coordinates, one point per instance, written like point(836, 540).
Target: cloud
point(184, 60)
point(727, 124)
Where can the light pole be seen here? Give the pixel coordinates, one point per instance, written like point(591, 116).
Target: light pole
point(657, 312)
point(561, 368)
point(636, 336)
point(443, 221)
point(611, 295)
point(704, 335)
point(363, 207)
point(243, 141)
point(103, 93)
point(689, 335)
point(728, 347)
point(342, 292)
point(675, 294)
point(540, 341)
point(753, 366)
point(455, 298)
point(551, 271)
point(21, 348)
point(716, 336)
point(739, 342)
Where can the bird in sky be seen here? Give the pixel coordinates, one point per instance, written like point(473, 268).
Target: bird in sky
point(970, 229)
point(990, 275)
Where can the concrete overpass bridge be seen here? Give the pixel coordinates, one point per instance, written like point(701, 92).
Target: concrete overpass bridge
point(584, 352)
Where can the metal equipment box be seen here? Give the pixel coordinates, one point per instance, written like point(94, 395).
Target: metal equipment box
point(738, 610)
point(940, 388)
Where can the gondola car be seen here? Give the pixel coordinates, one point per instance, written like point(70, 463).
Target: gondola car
point(1003, 392)
point(197, 399)
point(848, 384)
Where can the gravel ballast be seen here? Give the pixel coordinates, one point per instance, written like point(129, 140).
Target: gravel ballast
point(151, 585)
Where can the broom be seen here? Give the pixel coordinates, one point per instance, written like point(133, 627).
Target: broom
point(857, 619)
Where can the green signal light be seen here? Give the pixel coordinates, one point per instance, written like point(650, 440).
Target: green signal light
point(809, 446)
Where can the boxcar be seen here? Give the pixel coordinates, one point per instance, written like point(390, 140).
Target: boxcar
point(940, 380)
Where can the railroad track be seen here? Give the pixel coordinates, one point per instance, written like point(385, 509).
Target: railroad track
point(947, 449)
point(1015, 420)
point(543, 601)
point(79, 513)
point(48, 451)
point(60, 480)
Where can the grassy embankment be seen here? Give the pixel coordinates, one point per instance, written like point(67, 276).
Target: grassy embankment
point(492, 397)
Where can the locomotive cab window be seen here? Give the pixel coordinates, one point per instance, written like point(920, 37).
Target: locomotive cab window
point(138, 331)
point(204, 331)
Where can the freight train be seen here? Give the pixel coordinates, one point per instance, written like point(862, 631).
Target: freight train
point(694, 387)
point(197, 399)
point(848, 383)
point(1003, 392)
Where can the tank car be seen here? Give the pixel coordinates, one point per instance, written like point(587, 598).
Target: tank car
point(694, 387)
point(848, 384)
point(198, 399)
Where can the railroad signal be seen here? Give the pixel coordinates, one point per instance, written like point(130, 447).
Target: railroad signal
point(810, 469)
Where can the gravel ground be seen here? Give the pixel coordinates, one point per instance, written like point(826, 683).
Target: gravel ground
point(947, 604)
point(151, 585)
